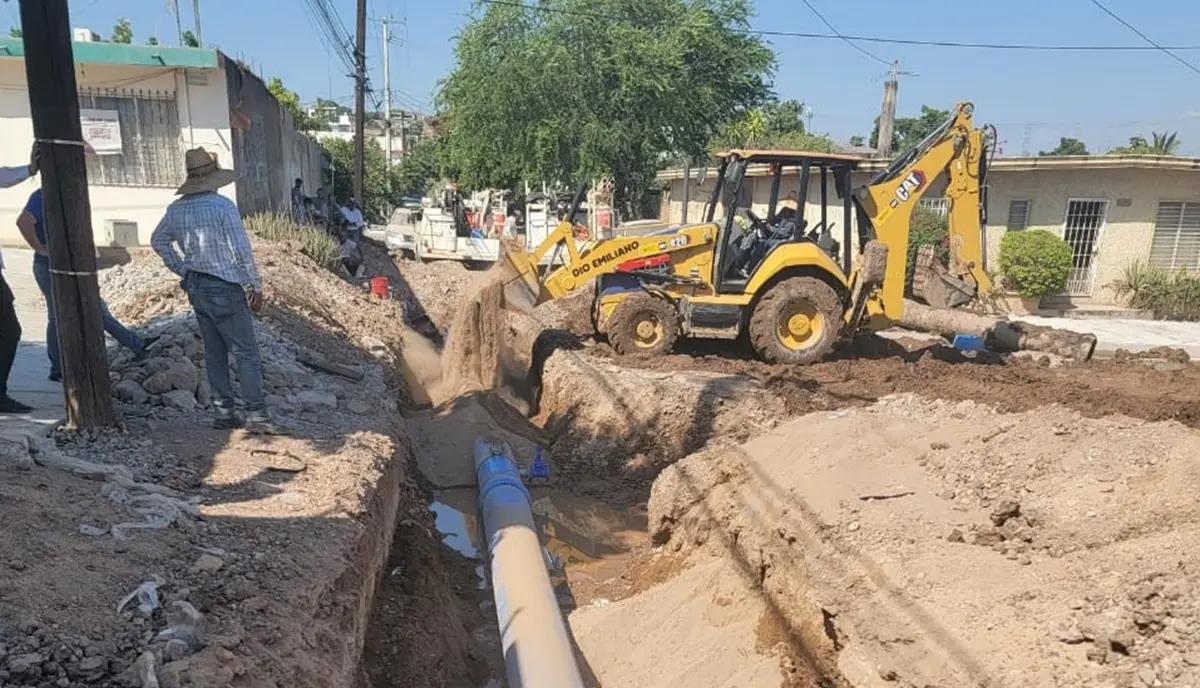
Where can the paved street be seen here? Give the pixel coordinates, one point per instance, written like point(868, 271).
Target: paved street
point(28, 382)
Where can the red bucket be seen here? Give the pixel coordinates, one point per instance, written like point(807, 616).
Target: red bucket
point(379, 287)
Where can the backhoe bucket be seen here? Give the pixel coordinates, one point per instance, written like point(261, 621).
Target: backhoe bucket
point(935, 285)
point(519, 270)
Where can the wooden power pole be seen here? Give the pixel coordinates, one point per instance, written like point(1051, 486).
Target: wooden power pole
point(887, 113)
point(360, 88)
point(54, 104)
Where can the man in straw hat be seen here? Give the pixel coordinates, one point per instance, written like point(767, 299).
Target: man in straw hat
point(202, 239)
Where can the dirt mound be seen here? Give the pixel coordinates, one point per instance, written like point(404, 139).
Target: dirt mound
point(1094, 389)
point(918, 542)
point(291, 533)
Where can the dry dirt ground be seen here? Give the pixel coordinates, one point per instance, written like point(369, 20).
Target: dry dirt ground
point(257, 558)
point(895, 516)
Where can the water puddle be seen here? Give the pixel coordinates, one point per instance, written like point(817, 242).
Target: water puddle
point(583, 539)
point(457, 529)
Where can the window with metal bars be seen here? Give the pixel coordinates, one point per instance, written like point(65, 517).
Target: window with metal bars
point(1018, 215)
point(938, 205)
point(1176, 243)
point(151, 142)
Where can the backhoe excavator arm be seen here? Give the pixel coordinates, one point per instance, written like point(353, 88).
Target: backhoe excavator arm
point(525, 289)
point(888, 201)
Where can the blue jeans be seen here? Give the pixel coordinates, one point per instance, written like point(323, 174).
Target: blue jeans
point(227, 326)
point(126, 337)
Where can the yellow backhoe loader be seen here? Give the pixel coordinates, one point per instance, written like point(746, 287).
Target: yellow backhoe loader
point(792, 287)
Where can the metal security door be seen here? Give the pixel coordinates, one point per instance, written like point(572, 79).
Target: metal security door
point(1084, 222)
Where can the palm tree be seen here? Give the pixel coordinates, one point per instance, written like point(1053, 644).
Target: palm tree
point(1164, 143)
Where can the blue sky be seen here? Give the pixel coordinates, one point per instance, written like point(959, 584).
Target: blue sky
point(1032, 97)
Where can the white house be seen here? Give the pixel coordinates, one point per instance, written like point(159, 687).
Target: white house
point(142, 107)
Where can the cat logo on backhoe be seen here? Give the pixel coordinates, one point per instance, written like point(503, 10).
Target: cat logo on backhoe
point(911, 184)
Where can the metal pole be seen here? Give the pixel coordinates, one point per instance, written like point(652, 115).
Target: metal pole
point(387, 90)
point(178, 20)
point(196, 12)
point(360, 114)
point(537, 649)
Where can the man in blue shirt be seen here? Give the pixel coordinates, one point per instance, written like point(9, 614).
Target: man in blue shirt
point(32, 224)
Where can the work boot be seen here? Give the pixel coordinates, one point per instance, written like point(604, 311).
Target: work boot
point(227, 422)
point(10, 405)
point(261, 424)
point(148, 342)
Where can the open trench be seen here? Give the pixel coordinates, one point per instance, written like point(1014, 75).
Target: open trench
point(639, 540)
point(606, 432)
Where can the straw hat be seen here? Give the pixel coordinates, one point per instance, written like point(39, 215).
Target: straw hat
point(204, 173)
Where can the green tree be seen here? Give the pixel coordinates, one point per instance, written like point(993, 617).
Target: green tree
point(1159, 144)
point(857, 141)
point(576, 89)
point(1067, 146)
point(190, 40)
point(123, 31)
point(422, 166)
point(153, 40)
point(15, 32)
point(776, 124)
point(290, 101)
point(376, 197)
point(907, 132)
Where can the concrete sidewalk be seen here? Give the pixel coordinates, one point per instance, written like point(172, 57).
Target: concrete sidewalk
point(28, 382)
point(1129, 334)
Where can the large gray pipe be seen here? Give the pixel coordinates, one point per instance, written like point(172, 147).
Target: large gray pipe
point(537, 649)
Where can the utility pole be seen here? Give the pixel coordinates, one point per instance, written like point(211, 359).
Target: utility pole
point(360, 85)
point(196, 12)
point(887, 112)
point(178, 20)
point(387, 95)
point(54, 105)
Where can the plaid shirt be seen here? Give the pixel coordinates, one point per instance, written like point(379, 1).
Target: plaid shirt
point(207, 229)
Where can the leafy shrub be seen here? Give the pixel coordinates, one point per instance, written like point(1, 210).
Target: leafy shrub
point(314, 242)
point(1168, 294)
point(1034, 262)
point(927, 228)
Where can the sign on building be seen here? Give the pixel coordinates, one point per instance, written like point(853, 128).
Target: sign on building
point(101, 131)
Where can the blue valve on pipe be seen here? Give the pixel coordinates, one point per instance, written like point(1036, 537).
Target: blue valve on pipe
point(539, 470)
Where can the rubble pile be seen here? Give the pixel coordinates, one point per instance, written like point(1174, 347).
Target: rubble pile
point(227, 544)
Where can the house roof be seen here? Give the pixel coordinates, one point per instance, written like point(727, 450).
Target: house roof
point(96, 52)
point(1024, 164)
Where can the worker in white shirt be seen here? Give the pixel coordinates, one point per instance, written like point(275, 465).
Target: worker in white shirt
point(10, 326)
point(354, 219)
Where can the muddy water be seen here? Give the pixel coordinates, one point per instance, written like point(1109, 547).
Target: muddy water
point(586, 543)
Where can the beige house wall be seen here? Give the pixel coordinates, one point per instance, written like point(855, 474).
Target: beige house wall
point(1132, 196)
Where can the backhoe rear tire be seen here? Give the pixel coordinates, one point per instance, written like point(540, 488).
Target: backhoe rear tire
point(643, 324)
point(796, 322)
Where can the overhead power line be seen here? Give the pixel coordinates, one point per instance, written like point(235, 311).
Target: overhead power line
point(837, 33)
point(882, 39)
point(1144, 37)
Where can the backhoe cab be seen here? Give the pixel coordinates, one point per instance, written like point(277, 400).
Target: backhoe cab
point(792, 280)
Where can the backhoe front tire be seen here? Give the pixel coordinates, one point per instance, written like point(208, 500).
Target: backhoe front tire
point(796, 322)
point(643, 324)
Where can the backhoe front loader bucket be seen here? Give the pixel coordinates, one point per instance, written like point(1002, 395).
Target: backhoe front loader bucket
point(519, 270)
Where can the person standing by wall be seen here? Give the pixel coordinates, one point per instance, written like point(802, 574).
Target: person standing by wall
point(10, 325)
point(32, 224)
point(202, 239)
point(298, 200)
